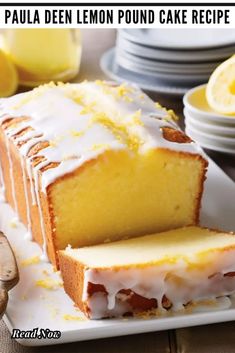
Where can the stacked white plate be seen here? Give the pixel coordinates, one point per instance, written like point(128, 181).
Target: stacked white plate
point(168, 60)
point(208, 128)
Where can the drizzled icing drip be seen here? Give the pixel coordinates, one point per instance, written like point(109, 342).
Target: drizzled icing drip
point(44, 256)
point(28, 235)
point(176, 281)
point(13, 187)
point(78, 122)
point(29, 171)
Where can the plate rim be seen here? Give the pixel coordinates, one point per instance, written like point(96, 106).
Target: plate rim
point(171, 322)
point(224, 139)
point(180, 59)
point(136, 39)
point(161, 74)
point(109, 55)
point(211, 146)
point(174, 65)
point(213, 116)
point(207, 126)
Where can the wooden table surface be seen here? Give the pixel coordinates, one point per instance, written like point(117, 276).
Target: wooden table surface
point(219, 338)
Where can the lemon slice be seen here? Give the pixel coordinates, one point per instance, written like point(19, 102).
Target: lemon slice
point(220, 91)
point(8, 76)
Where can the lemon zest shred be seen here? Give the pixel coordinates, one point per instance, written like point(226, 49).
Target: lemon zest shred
point(88, 108)
point(120, 130)
point(122, 90)
point(69, 317)
point(75, 133)
point(49, 283)
point(99, 146)
point(31, 261)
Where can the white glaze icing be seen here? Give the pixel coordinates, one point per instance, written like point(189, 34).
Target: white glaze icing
point(177, 281)
point(36, 184)
point(75, 119)
point(13, 187)
point(98, 307)
point(28, 235)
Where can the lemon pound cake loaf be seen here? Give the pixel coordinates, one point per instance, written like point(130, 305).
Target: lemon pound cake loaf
point(164, 271)
point(88, 163)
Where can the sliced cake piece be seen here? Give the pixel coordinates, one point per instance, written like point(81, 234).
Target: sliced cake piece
point(165, 271)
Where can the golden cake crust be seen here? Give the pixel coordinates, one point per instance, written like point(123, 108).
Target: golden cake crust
point(72, 270)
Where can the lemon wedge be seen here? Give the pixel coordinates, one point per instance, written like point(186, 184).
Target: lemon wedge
point(8, 76)
point(220, 91)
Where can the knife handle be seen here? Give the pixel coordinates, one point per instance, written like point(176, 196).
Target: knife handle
point(3, 301)
point(9, 275)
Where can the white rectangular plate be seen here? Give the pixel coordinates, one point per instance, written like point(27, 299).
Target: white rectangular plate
point(32, 306)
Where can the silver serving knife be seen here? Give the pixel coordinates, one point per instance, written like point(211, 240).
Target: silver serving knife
point(9, 275)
